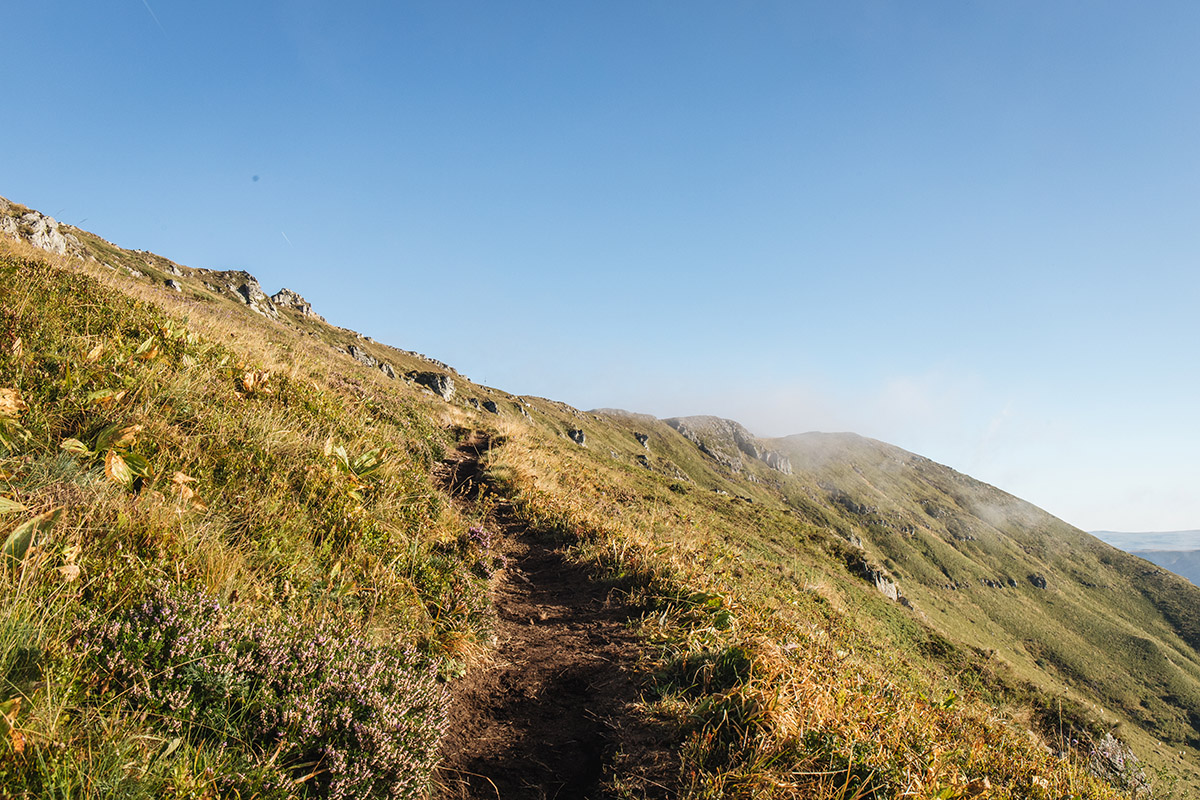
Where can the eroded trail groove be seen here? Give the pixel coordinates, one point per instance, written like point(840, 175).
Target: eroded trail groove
point(551, 713)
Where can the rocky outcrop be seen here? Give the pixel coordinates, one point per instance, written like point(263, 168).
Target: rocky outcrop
point(577, 436)
point(490, 405)
point(887, 587)
point(362, 356)
point(244, 287)
point(173, 285)
point(1039, 581)
point(37, 229)
point(439, 383)
point(726, 442)
point(643, 440)
point(286, 298)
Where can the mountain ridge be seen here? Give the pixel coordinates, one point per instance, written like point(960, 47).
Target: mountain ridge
point(954, 575)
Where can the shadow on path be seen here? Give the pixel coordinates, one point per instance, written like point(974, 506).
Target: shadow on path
point(551, 713)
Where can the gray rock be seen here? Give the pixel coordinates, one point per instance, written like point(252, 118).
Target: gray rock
point(1038, 581)
point(439, 383)
point(577, 436)
point(358, 354)
point(37, 229)
point(286, 298)
point(643, 440)
point(490, 405)
point(244, 286)
point(171, 269)
point(642, 461)
point(387, 369)
point(887, 587)
point(170, 284)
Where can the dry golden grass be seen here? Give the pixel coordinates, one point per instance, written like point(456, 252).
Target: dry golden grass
point(780, 702)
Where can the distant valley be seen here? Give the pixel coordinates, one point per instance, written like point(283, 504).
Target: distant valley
point(1178, 551)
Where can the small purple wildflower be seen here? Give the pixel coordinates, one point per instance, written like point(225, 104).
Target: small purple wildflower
point(275, 697)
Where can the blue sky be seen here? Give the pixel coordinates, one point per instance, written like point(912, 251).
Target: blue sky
point(970, 229)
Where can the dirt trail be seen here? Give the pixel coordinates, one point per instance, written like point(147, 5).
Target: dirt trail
point(550, 714)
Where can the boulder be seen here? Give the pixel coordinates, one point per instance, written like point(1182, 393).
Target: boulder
point(577, 436)
point(1039, 581)
point(439, 383)
point(170, 284)
point(643, 440)
point(358, 354)
point(490, 405)
point(387, 369)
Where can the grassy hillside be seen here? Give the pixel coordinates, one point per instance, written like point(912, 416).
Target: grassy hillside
point(230, 571)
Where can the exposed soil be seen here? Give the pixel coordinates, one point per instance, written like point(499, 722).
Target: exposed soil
point(553, 711)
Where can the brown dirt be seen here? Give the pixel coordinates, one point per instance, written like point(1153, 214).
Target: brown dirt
point(553, 712)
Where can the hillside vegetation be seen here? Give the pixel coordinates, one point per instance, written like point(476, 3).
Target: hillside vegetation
point(230, 570)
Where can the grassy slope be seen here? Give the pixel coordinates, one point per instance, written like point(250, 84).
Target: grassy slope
point(785, 671)
point(308, 506)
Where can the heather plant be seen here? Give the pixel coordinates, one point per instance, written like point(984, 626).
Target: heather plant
point(477, 545)
point(295, 706)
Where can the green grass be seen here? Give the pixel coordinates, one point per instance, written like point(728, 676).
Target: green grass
point(294, 497)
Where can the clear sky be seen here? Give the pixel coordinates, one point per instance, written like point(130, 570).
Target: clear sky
point(968, 228)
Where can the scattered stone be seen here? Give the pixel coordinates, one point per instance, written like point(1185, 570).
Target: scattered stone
point(643, 461)
point(170, 284)
point(133, 272)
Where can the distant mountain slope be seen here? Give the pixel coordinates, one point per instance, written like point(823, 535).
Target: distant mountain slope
point(1177, 551)
point(1158, 540)
point(992, 570)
